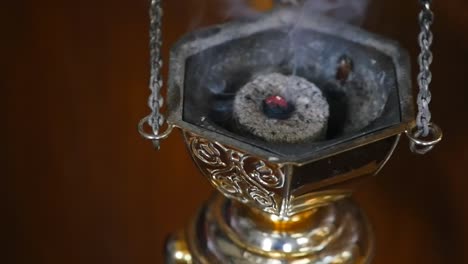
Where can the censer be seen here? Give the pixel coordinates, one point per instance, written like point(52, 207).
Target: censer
point(285, 119)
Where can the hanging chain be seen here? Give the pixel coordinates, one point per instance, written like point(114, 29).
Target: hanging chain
point(426, 18)
point(155, 120)
point(424, 128)
point(417, 134)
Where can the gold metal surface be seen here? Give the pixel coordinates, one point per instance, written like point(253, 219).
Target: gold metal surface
point(179, 252)
point(239, 175)
point(231, 232)
point(267, 186)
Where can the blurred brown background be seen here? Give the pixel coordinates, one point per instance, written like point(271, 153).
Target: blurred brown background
point(81, 186)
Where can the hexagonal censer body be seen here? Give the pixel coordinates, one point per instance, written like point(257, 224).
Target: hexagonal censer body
point(284, 119)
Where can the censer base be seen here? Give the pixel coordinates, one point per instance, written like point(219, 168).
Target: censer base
point(228, 232)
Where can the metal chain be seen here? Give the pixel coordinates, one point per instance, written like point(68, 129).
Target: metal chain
point(156, 119)
point(424, 128)
point(426, 18)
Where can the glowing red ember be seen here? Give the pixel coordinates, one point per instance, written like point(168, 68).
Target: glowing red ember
point(277, 107)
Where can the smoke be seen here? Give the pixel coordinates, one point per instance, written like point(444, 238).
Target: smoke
point(239, 9)
point(350, 11)
point(198, 10)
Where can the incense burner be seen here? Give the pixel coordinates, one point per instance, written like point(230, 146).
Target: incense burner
point(280, 201)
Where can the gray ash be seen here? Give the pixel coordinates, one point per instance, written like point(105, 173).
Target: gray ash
point(355, 99)
point(308, 121)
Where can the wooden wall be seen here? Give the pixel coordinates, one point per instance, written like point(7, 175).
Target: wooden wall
point(81, 186)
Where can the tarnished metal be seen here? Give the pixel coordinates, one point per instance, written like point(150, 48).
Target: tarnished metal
point(193, 82)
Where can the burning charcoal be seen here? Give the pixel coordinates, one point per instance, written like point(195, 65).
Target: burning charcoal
point(277, 107)
point(281, 108)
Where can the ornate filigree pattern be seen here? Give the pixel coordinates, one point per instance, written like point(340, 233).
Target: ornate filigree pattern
point(238, 175)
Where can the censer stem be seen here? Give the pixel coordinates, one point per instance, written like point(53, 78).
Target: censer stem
point(230, 232)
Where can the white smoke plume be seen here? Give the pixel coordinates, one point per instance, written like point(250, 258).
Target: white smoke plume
point(239, 9)
point(351, 11)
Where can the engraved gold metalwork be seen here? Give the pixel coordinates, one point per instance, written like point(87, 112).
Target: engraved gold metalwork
point(280, 189)
point(263, 218)
point(238, 175)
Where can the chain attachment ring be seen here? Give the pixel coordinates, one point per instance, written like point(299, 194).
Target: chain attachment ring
point(155, 101)
point(418, 143)
point(155, 137)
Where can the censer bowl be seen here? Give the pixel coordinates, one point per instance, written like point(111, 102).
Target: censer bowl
point(284, 118)
point(368, 109)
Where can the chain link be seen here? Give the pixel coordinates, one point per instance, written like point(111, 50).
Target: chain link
point(424, 128)
point(156, 119)
point(426, 18)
